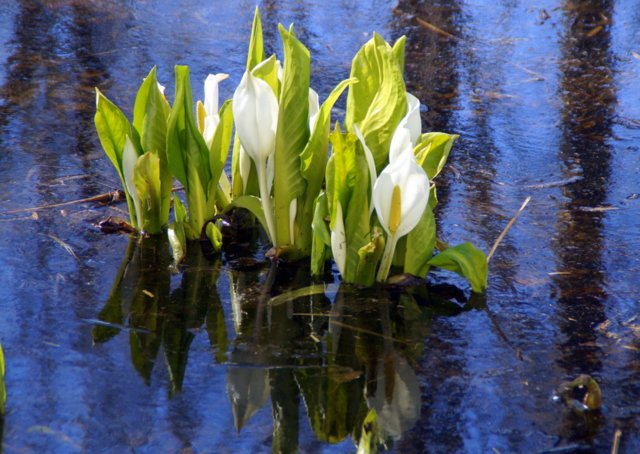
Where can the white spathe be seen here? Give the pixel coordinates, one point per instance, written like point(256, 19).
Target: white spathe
point(314, 108)
point(412, 183)
point(408, 131)
point(212, 118)
point(255, 112)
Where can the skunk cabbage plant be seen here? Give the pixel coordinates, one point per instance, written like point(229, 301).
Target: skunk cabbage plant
point(384, 136)
point(284, 131)
point(138, 152)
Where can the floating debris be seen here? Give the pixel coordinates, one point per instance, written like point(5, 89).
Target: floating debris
point(64, 245)
point(436, 30)
point(582, 394)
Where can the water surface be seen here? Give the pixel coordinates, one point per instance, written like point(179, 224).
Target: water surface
point(107, 350)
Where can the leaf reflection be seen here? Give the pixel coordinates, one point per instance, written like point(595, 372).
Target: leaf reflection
point(342, 359)
point(142, 302)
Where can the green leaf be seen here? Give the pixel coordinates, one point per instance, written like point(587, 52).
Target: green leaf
point(378, 102)
point(339, 172)
point(398, 51)
point(221, 142)
point(292, 133)
point(186, 148)
point(215, 236)
point(256, 46)
point(146, 177)
point(178, 242)
point(356, 219)
point(254, 205)
point(314, 155)
point(267, 70)
point(313, 160)
point(321, 237)
point(420, 244)
point(369, 257)
point(188, 155)
point(433, 150)
point(150, 114)
point(200, 210)
point(179, 211)
point(113, 128)
point(467, 261)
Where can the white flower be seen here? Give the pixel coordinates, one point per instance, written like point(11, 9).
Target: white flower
point(255, 112)
point(212, 118)
point(400, 196)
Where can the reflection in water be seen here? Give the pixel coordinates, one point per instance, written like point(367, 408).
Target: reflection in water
point(141, 302)
point(589, 100)
point(341, 359)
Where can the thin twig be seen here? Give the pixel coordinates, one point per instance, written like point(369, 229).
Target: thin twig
point(107, 197)
point(616, 441)
point(436, 30)
point(367, 331)
point(506, 229)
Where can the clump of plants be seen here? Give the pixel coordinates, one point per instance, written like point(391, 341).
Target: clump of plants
point(358, 190)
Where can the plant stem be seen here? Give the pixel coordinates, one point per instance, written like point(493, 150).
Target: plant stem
point(265, 198)
point(387, 258)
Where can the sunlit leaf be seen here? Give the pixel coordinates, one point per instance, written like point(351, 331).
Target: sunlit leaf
point(146, 177)
point(420, 245)
point(185, 146)
point(214, 236)
point(433, 150)
point(378, 101)
point(293, 131)
point(267, 70)
point(113, 128)
point(150, 114)
point(321, 240)
point(467, 261)
point(255, 53)
point(221, 143)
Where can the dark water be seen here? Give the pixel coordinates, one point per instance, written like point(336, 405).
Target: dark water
point(107, 351)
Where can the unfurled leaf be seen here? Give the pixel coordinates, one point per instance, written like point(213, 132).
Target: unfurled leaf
point(433, 150)
point(467, 261)
point(113, 128)
point(377, 103)
point(293, 132)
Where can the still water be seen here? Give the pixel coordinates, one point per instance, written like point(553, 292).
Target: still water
point(107, 350)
